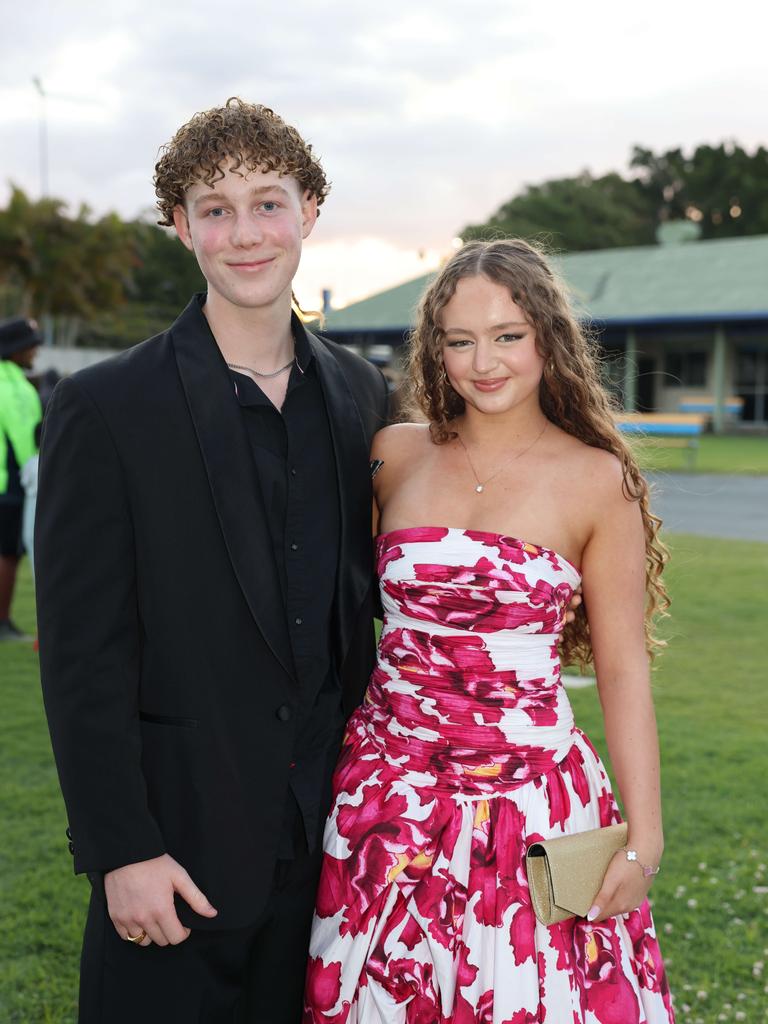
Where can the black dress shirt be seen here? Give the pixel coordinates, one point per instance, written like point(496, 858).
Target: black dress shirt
point(293, 453)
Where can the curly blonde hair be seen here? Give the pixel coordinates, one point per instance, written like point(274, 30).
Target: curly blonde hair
point(237, 135)
point(570, 393)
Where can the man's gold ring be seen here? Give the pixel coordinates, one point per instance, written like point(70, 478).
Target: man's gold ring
point(137, 938)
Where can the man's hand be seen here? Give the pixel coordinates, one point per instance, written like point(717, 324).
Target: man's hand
point(573, 604)
point(140, 899)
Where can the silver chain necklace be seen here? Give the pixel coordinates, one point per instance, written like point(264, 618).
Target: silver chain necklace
point(482, 484)
point(264, 376)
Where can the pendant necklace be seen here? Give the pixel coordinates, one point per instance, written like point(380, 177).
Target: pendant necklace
point(482, 484)
point(264, 376)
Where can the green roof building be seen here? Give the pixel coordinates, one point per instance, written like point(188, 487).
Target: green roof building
point(684, 324)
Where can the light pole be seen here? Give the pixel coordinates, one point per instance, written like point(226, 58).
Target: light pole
point(43, 136)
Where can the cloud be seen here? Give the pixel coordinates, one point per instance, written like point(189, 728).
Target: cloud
point(426, 116)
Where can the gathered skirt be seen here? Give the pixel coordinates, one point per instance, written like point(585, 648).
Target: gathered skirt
point(424, 913)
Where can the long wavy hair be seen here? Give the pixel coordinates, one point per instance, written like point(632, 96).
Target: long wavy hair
point(571, 393)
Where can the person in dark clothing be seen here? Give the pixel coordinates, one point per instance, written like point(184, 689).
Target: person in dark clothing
point(20, 414)
point(205, 599)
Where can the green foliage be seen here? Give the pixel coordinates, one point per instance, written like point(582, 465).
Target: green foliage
point(68, 266)
point(166, 274)
point(578, 213)
point(709, 900)
point(104, 282)
point(723, 190)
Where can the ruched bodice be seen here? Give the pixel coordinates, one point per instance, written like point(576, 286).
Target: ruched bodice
point(467, 689)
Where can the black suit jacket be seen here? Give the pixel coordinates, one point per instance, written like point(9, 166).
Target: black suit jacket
point(165, 658)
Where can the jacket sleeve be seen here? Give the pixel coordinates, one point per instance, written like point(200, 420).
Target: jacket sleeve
point(89, 632)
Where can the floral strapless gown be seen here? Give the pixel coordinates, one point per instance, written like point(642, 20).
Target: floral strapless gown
point(463, 753)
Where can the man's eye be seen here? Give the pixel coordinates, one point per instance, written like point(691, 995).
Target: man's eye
point(217, 211)
point(269, 207)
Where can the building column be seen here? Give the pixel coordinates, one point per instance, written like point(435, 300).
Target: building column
point(630, 371)
point(719, 357)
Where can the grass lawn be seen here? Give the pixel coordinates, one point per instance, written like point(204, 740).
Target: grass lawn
point(711, 899)
point(715, 455)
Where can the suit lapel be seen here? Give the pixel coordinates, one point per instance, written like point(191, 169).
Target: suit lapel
point(355, 494)
point(234, 484)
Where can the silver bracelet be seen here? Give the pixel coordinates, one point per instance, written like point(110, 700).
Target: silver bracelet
point(648, 871)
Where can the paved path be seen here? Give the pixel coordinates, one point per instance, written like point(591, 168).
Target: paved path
point(734, 507)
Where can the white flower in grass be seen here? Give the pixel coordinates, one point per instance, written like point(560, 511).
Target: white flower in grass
point(702, 866)
point(702, 994)
point(740, 1015)
point(668, 928)
point(693, 903)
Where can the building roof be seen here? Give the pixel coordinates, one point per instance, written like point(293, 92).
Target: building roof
point(716, 280)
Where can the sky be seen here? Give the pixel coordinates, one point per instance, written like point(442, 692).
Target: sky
point(426, 116)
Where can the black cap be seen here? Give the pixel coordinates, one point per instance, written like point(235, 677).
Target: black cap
point(18, 334)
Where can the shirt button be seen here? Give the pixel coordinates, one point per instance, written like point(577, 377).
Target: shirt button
point(283, 713)
point(293, 471)
point(294, 547)
point(298, 620)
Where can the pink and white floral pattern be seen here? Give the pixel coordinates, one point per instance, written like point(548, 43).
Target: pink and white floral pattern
point(463, 753)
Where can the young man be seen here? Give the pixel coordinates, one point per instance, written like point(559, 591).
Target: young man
point(205, 600)
point(20, 414)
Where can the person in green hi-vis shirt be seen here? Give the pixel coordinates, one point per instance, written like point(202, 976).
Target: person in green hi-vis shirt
point(20, 415)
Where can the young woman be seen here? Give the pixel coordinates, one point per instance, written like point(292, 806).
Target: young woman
point(516, 489)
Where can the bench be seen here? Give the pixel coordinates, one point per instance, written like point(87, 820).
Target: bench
point(705, 404)
point(667, 429)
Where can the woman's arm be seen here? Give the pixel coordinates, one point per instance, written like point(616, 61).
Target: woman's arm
point(613, 569)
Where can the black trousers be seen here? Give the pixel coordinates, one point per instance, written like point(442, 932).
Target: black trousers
point(251, 975)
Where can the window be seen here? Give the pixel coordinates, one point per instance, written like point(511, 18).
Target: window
point(685, 369)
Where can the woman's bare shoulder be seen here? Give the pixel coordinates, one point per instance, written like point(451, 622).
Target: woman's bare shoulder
point(400, 441)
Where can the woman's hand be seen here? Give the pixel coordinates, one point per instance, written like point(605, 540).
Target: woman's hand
point(624, 888)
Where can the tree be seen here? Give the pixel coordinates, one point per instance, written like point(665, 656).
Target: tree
point(104, 282)
point(67, 268)
point(575, 213)
point(166, 274)
point(722, 188)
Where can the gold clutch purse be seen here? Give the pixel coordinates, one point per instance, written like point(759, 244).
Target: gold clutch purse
point(565, 874)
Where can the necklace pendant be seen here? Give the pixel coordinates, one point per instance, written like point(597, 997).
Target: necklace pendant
point(479, 488)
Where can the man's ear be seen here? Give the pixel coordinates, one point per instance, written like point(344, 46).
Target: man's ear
point(181, 223)
point(308, 213)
